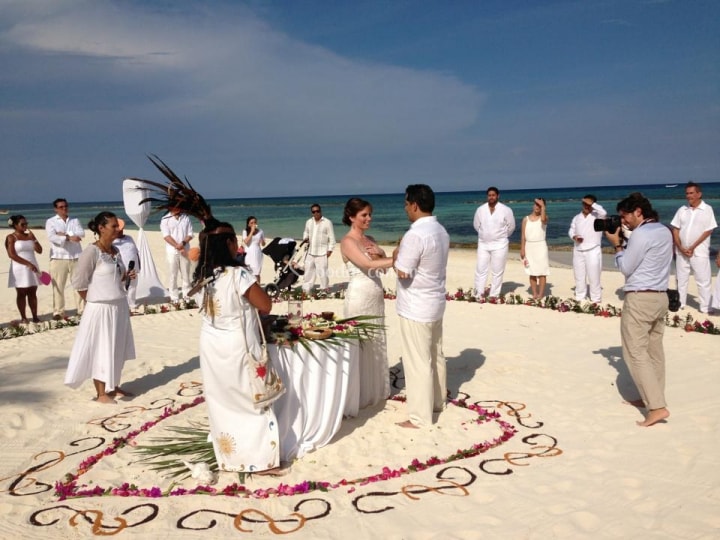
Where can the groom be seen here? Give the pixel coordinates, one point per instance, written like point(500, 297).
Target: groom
point(420, 262)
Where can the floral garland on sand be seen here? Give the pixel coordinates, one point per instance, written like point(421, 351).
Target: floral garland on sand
point(688, 323)
point(71, 488)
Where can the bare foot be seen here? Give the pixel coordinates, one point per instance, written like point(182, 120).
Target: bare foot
point(635, 403)
point(654, 416)
point(276, 471)
point(105, 398)
point(119, 392)
point(407, 424)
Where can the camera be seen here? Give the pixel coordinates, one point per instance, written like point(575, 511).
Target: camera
point(609, 224)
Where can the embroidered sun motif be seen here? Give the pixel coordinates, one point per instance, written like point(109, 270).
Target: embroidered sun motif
point(226, 444)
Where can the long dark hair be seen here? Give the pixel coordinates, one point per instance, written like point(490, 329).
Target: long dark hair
point(247, 224)
point(214, 252)
point(101, 219)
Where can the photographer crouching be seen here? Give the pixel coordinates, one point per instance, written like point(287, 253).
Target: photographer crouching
point(645, 262)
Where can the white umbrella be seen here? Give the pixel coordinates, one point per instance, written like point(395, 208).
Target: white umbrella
point(149, 285)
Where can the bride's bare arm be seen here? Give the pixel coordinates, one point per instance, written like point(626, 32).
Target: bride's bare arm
point(352, 251)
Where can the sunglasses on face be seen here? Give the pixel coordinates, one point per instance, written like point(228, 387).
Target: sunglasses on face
point(315, 211)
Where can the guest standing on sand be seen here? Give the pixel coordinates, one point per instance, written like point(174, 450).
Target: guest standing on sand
point(645, 263)
point(587, 254)
point(320, 237)
point(254, 239)
point(494, 223)
point(65, 234)
point(364, 261)
point(104, 340)
point(177, 232)
point(533, 248)
point(21, 246)
point(420, 262)
point(715, 304)
point(691, 227)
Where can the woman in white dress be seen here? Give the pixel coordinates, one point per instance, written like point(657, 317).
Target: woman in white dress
point(245, 439)
point(104, 340)
point(715, 303)
point(533, 248)
point(254, 240)
point(21, 246)
point(364, 261)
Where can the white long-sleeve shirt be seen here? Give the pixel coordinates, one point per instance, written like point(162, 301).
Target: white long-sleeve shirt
point(320, 236)
point(494, 228)
point(178, 228)
point(60, 247)
point(582, 225)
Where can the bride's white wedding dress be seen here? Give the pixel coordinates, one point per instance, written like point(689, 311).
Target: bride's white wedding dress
point(364, 296)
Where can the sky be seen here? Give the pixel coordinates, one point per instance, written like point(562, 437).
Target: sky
point(307, 97)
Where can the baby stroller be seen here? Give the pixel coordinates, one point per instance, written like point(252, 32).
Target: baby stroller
point(288, 264)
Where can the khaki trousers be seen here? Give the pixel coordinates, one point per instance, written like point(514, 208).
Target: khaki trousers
point(642, 326)
point(60, 270)
point(424, 367)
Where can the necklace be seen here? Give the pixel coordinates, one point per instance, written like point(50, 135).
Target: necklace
point(105, 249)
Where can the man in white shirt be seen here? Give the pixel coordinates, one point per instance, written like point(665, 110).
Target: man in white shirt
point(420, 262)
point(65, 234)
point(494, 223)
point(691, 227)
point(587, 254)
point(320, 237)
point(177, 232)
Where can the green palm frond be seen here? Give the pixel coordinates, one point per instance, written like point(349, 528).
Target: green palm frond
point(189, 443)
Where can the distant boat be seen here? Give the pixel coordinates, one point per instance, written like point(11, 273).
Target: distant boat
point(671, 185)
point(3, 212)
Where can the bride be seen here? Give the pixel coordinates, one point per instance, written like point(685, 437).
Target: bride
point(364, 261)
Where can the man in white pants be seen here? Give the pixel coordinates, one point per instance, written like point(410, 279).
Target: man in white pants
point(177, 232)
point(691, 227)
point(65, 234)
point(420, 262)
point(587, 254)
point(320, 236)
point(494, 223)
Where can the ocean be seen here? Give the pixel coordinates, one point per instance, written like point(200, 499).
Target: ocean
point(286, 216)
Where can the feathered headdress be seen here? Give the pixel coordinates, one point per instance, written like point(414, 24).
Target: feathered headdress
point(178, 194)
point(175, 194)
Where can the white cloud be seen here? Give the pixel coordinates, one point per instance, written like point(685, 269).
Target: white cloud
point(230, 69)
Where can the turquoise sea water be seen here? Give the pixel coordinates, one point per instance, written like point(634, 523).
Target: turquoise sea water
point(285, 216)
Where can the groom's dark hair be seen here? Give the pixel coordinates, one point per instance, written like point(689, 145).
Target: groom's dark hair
point(422, 195)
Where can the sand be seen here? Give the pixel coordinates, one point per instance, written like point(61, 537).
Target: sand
point(576, 465)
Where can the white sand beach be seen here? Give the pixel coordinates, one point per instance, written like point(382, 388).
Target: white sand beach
point(576, 465)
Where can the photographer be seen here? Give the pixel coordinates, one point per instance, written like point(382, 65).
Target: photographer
point(645, 263)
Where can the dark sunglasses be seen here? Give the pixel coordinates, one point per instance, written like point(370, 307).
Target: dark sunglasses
point(315, 211)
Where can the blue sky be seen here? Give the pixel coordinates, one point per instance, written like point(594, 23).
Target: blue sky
point(273, 98)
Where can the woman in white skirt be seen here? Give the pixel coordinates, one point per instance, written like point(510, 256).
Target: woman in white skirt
point(104, 340)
